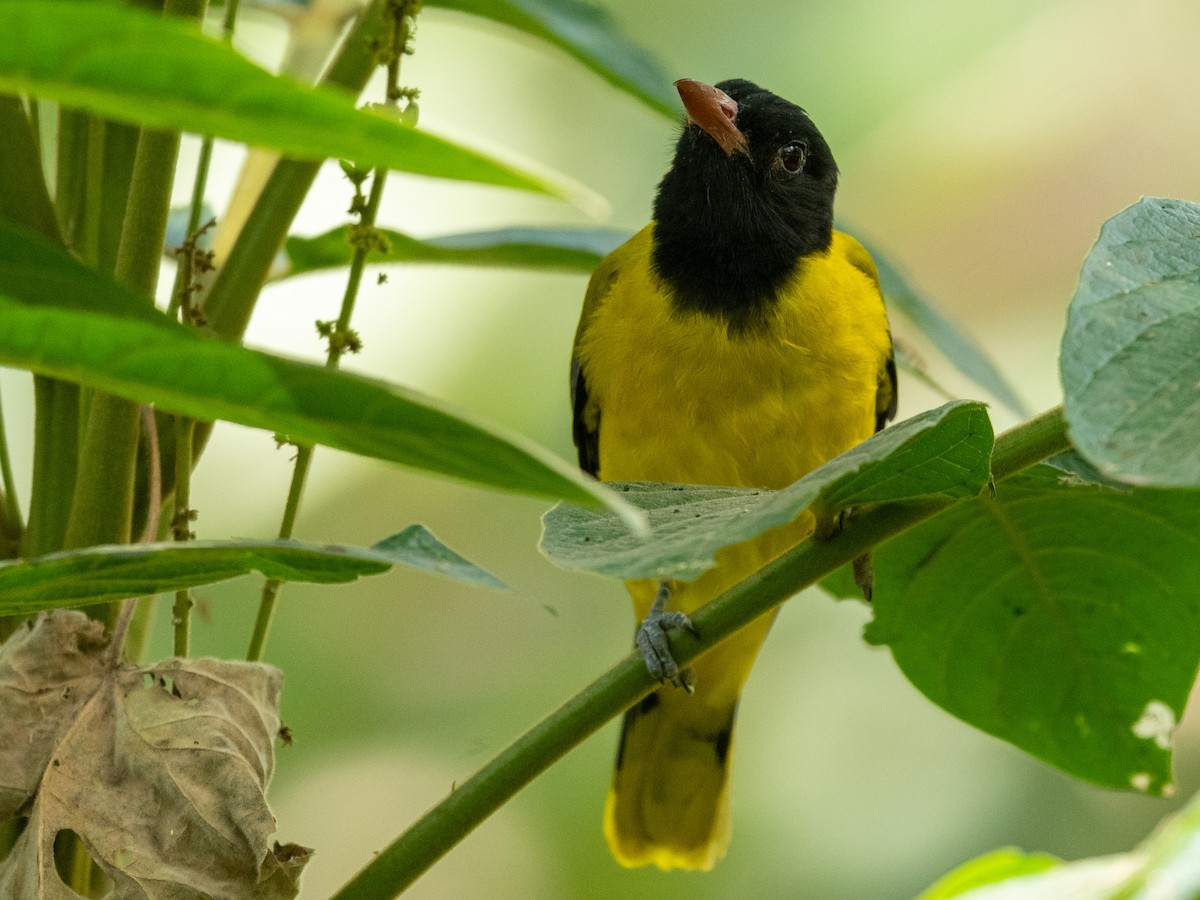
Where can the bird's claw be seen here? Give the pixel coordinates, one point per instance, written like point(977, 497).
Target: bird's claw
point(651, 640)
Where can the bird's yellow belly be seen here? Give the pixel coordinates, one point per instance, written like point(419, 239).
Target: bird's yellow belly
point(749, 412)
point(746, 412)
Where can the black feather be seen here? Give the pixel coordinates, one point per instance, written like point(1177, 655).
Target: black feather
point(731, 229)
point(587, 440)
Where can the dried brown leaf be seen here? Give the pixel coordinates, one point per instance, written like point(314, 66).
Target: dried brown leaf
point(161, 770)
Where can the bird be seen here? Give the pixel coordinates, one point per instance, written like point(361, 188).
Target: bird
point(738, 339)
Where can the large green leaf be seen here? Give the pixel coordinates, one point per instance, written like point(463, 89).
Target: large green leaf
point(989, 869)
point(1130, 366)
point(1061, 616)
point(124, 63)
point(940, 453)
point(98, 574)
point(563, 249)
point(65, 320)
point(1163, 867)
point(587, 33)
point(956, 345)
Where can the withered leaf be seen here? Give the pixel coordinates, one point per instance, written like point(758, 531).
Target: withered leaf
point(161, 770)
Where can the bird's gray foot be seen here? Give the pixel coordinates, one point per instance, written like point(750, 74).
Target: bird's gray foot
point(651, 640)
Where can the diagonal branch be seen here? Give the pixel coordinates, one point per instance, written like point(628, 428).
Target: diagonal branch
point(418, 848)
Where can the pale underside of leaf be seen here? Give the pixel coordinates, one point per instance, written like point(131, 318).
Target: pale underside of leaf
point(1131, 374)
point(941, 453)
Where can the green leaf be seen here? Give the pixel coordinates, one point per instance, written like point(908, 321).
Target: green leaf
point(121, 62)
point(99, 574)
point(1131, 373)
point(65, 320)
point(959, 348)
point(590, 35)
point(940, 453)
point(418, 548)
point(999, 865)
point(1089, 879)
point(566, 249)
point(1061, 616)
point(1079, 468)
point(1163, 867)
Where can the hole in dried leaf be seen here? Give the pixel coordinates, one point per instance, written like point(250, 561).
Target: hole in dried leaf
point(73, 863)
point(167, 683)
point(10, 832)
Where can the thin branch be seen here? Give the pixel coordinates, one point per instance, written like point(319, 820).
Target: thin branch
point(405, 859)
point(341, 337)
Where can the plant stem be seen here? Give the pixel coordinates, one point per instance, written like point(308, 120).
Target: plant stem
point(1022, 446)
point(270, 591)
point(181, 612)
point(337, 348)
point(23, 194)
point(102, 507)
point(102, 504)
point(341, 338)
point(55, 464)
point(10, 514)
point(231, 299)
point(405, 859)
point(93, 190)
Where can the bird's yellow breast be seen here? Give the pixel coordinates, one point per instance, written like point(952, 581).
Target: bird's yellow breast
point(683, 399)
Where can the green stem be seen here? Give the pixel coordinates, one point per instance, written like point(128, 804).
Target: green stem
point(71, 175)
point(144, 610)
point(271, 588)
point(227, 24)
point(23, 194)
point(1023, 446)
point(55, 464)
point(24, 198)
point(231, 299)
point(102, 505)
point(93, 189)
point(181, 527)
point(269, 597)
point(405, 859)
point(358, 263)
point(11, 524)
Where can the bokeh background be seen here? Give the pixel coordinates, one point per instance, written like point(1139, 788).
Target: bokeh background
point(981, 146)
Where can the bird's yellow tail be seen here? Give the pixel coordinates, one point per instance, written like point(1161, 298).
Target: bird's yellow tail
point(669, 801)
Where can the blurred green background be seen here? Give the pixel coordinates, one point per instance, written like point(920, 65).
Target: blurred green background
point(981, 146)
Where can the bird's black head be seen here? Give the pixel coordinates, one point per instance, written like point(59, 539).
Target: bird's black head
point(750, 193)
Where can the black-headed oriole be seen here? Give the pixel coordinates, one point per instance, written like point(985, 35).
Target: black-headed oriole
point(738, 339)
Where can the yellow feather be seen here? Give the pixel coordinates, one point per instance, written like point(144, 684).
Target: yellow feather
point(680, 399)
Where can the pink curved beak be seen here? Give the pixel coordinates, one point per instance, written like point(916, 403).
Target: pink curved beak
point(714, 111)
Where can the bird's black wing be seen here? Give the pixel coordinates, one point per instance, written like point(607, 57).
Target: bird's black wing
point(585, 410)
point(886, 391)
point(586, 427)
point(887, 394)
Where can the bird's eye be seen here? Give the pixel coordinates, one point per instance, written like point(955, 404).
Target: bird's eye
point(792, 156)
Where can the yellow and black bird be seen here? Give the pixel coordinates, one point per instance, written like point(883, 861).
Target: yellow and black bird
point(738, 339)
